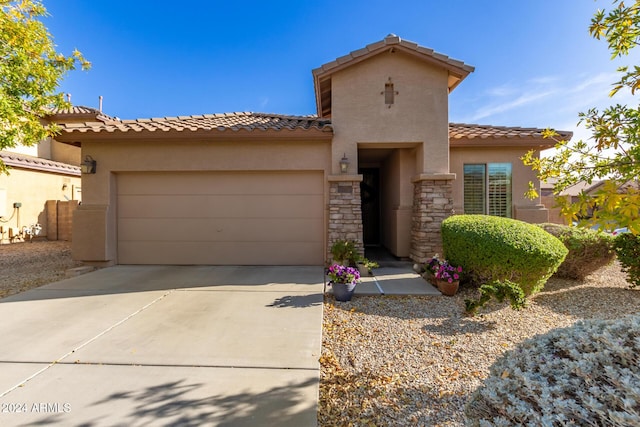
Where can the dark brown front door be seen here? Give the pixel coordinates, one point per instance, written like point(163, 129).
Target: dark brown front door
point(370, 195)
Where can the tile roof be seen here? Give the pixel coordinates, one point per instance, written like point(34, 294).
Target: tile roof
point(208, 122)
point(392, 40)
point(36, 163)
point(459, 131)
point(80, 110)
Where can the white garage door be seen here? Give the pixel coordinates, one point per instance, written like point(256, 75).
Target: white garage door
point(218, 218)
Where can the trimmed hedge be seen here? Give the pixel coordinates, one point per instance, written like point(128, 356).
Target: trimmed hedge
point(492, 249)
point(587, 374)
point(628, 250)
point(589, 250)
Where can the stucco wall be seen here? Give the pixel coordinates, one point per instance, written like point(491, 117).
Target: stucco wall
point(397, 200)
point(33, 189)
point(95, 220)
point(523, 208)
point(418, 115)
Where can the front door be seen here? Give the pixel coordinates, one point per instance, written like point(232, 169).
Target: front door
point(370, 195)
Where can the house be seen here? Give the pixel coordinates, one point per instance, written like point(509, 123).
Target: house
point(573, 195)
point(43, 185)
point(379, 163)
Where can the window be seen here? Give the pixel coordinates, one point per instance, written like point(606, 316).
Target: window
point(487, 189)
point(388, 93)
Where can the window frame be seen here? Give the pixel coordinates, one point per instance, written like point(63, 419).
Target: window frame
point(497, 188)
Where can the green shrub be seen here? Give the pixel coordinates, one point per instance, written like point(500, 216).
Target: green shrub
point(584, 375)
point(498, 249)
point(500, 291)
point(628, 250)
point(589, 250)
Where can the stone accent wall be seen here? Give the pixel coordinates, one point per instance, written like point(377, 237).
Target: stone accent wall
point(345, 212)
point(432, 204)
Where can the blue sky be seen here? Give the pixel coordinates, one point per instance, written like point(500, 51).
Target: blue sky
point(536, 64)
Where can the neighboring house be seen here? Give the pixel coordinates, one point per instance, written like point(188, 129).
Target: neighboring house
point(252, 188)
point(572, 194)
point(48, 171)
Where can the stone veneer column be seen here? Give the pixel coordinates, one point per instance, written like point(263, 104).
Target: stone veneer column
point(432, 204)
point(345, 211)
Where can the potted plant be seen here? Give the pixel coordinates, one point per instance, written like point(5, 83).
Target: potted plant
point(343, 280)
point(365, 266)
point(345, 252)
point(429, 269)
point(447, 277)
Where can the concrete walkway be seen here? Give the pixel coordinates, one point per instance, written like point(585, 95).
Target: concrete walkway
point(189, 346)
point(395, 281)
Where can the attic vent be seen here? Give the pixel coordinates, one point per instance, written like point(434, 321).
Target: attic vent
point(389, 93)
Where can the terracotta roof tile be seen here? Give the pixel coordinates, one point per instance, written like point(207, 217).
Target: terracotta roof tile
point(390, 41)
point(459, 131)
point(209, 122)
point(36, 163)
point(80, 110)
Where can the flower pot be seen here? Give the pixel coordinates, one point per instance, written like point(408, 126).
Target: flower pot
point(343, 291)
point(364, 271)
point(447, 288)
point(430, 277)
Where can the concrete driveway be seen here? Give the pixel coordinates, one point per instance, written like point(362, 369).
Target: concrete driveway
point(147, 345)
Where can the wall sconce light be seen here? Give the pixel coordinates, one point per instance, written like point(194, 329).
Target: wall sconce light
point(344, 164)
point(88, 165)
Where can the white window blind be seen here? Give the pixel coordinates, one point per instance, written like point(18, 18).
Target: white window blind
point(500, 189)
point(487, 189)
point(474, 189)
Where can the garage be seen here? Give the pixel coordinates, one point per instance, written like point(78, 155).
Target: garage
point(220, 218)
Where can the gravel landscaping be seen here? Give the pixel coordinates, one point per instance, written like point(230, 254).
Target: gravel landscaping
point(391, 361)
point(29, 265)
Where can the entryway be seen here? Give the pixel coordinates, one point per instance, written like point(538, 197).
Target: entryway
point(387, 196)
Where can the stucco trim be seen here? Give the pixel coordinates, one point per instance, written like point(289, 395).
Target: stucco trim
point(433, 177)
point(345, 178)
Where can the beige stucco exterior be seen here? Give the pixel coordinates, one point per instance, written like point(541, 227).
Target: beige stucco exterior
point(32, 189)
point(523, 208)
point(384, 108)
point(96, 219)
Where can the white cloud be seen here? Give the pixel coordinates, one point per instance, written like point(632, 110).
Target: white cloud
point(524, 99)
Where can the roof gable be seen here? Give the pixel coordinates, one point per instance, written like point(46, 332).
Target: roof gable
point(457, 70)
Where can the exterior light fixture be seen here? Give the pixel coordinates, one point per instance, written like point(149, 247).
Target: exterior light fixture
point(88, 165)
point(344, 164)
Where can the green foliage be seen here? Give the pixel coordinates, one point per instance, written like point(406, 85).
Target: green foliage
point(500, 291)
point(584, 375)
point(30, 72)
point(589, 250)
point(613, 153)
point(345, 250)
point(498, 249)
point(628, 250)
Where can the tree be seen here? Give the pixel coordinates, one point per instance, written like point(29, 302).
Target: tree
point(30, 72)
point(613, 153)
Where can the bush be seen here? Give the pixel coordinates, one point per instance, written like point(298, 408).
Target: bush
point(498, 249)
point(628, 250)
point(587, 374)
point(589, 250)
point(500, 291)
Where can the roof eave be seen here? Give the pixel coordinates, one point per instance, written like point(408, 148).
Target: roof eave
point(77, 136)
point(500, 142)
